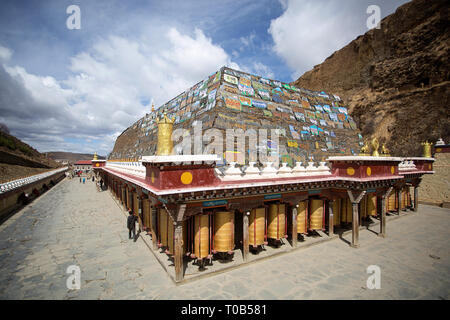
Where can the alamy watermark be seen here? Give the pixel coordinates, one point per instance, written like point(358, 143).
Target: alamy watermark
point(373, 21)
point(374, 280)
point(73, 281)
point(74, 20)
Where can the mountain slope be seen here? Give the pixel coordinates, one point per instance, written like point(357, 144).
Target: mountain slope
point(18, 159)
point(395, 80)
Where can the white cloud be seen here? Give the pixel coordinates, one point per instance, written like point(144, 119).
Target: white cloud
point(309, 31)
point(105, 92)
point(5, 54)
point(262, 70)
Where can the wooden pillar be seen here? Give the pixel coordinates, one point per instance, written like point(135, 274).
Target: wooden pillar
point(355, 225)
point(383, 217)
point(416, 198)
point(294, 227)
point(355, 217)
point(399, 197)
point(330, 218)
point(245, 243)
point(384, 198)
point(178, 254)
point(153, 213)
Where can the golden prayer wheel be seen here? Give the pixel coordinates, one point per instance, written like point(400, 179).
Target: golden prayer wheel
point(404, 199)
point(163, 226)
point(146, 211)
point(346, 210)
point(135, 204)
point(223, 231)
point(363, 208)
point(201, 238)
point(337, 212)
point(165, 143)
point(372, 204)
point(256, 227)
point(277, 221)
point(391, 202)
point(316, 216)
point(302, 217)
point(171, 237)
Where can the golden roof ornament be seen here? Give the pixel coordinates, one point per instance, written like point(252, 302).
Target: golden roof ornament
point(427, 149)
point(385, 151)
point(95, 156)
point(365, 150)
point(165, 143)
point(153, 107)
point(375, 146)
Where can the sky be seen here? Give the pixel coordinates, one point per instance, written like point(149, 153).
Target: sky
point(76, 90)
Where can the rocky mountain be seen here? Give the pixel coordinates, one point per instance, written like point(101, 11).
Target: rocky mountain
point(395, 80)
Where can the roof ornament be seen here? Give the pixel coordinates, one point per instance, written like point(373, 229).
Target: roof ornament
point(427, 149)
point(165, 143)
point(365, 150)
point(375, 146)
point(384, 151)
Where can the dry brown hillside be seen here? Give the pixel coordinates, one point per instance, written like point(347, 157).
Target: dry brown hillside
point(19, 160)
point(395, 80)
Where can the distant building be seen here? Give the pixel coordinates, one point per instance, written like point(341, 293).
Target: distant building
point(83, 165)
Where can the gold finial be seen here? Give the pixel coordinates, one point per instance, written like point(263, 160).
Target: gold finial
point(153, 107)
point(375, 146)
point(95, 156)
point(427, 149)
point(385, 151)
point(365, 150)
point(165, 143)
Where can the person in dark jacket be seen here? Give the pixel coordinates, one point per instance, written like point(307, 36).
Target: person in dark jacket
point(131, 224)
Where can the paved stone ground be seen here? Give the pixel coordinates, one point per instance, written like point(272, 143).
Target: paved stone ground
point(74, 224)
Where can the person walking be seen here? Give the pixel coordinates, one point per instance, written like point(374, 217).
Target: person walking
point(131, 225)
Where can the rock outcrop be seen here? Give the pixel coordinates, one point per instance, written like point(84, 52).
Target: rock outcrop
point(395, 80)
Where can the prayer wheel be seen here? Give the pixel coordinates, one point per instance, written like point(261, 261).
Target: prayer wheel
point(146, 212)
point(256, 227)
point(346, 210)
point(223, 231)
point(171, 237)
point(363, 208)
point(404, 197)
point(391, 201)
point(163, 227)
point(372, 204)
point(135, 204)
point(337, 212)
point(277, 221)
point(317, 214)
point(302, 217)
point(201, 236)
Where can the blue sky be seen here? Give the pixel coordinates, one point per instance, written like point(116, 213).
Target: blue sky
point(77, 90)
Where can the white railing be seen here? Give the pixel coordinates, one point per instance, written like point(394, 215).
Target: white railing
point(11, 185)
point(232, 172)
point(134, 168)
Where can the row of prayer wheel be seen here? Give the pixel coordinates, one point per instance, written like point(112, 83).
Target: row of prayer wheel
point(203, 234)
point(392, 200)
point(210, 233)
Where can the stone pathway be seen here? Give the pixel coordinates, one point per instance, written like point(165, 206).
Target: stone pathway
point(73, 224)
